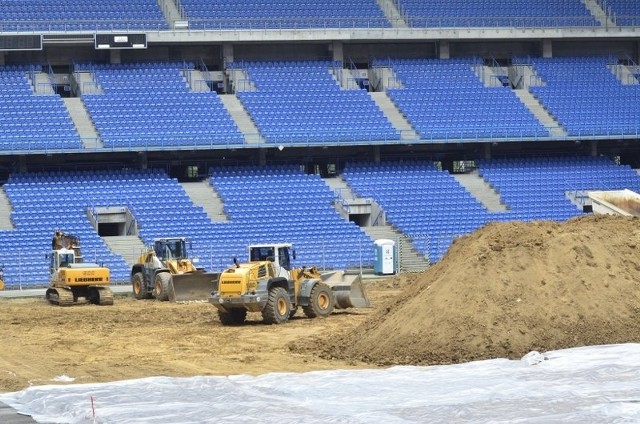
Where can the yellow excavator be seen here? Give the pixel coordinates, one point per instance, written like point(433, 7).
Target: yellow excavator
point(165, 272)
point(72, 278)
point(270, 285)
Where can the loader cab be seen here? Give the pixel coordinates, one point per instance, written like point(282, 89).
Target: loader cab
point(168, 249)
point(279, 254)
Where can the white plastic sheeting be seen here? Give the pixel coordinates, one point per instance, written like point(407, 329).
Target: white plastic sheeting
point(588, 385)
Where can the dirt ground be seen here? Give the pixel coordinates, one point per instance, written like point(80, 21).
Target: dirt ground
point(502, 291)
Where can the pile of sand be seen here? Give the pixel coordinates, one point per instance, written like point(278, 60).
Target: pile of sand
point(508, 289)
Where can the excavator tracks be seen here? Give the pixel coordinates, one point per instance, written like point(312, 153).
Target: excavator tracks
point(105, 295)
point(66, 296)
point(60, 296)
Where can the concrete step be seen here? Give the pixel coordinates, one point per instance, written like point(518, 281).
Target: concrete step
point(5, 211)
point(241, 118)
point(83, 123)
point(481, 190)
point(409, 259)
point(129, 247)
point(393, 114)
point(204, 195)
point(541, 114)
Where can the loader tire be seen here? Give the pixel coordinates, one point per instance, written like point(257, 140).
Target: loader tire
point(278, 307)
point(321, 302)
point(162, 286)
point(138, 286)
point(235, 316)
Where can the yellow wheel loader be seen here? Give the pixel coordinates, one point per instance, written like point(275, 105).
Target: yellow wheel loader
point(270, 285)
point(164, 272)
point(72, 278)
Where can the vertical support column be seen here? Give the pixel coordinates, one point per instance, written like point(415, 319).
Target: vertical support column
point(594, 148)
point(143, 160)
point(2, 58)
point(114, 56)
point(22, 163)
point(547, 48)
point(487, 151)
point(376, 154)
point(337, 51)
point(227, 52)
point(262, 157)
point(444, 49)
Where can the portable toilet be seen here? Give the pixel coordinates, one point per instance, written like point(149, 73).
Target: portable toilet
point(384, 258)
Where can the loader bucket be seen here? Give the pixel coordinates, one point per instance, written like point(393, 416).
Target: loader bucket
point(193, 286)
point(348, 292)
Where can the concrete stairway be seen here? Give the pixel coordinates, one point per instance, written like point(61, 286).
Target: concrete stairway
point(341, 190)
point(86, 84)
point(392, 14)
point(523, 77)
point(384, 78)
point(5, 212)
point(409, 259)
point(340, 187)
point(82, 121)
point(599, 14)
point(241, 118)
point(129, 247)
point(488, 76)
point(481, 190)
point(196, 81)
point(202, 194)
point(394, 115)
point(624, 75)
point(170, 12)
point(42, 83)
point(540, 113)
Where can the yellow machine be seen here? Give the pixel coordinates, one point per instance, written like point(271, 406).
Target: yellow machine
point(268, 284)
point(72, 278)
point(164, 272)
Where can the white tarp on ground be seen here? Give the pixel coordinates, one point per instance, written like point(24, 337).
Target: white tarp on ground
point(587, 385)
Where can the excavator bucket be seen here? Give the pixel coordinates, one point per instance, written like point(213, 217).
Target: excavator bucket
point(347, 290)
point(193, 286)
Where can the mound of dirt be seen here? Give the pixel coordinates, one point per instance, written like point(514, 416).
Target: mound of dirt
point(508, 289)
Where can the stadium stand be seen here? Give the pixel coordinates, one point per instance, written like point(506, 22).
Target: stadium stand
point(624, 12)
point(146, 115)
point(445, 99)
point(301, 102)
point(282, 204)
point(256, 14)
point(542, 188)
point(586, 97)
point(87, 15)
point(32, 121)
point(273, 204)
point(488, 13)
point(139, 108)
point(432, 208)
point(421, 201)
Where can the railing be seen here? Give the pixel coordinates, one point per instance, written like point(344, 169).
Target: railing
point(306, 23)
point(303, 139)
point(379, 216)
point(206, 74)
point(90, 25)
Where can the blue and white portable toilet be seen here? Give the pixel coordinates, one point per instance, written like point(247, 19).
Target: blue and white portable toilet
point(384, 258)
